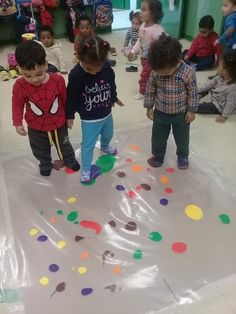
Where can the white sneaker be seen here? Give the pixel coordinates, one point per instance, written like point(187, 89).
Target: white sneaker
point(138, 97)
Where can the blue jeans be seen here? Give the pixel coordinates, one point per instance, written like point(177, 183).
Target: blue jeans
point(90, 133)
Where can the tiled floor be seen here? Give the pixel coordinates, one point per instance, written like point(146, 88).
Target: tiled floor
point(214, 142)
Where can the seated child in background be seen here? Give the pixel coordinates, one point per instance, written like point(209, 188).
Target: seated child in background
point(41, 98)
point(132, 33)
point(53, 51)
point(84, 29)
point(202, 51)
point(222, 89)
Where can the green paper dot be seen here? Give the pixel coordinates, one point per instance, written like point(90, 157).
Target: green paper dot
point(106, 163)
point(138, 254)
point(72, 216)
point(155, 236)
point(60, 212)
point(225, 219)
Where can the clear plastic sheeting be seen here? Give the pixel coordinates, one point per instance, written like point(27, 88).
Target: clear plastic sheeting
point(138, 240)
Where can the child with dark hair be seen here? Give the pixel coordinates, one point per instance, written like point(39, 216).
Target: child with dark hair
point(42, 96)
point(202, 52)
point(92, 93)
point(150, 30)
point(222, 89)
point(228, 38)
point(172, 92)
point(84, 29)
point(53, 50)
point(132, 33)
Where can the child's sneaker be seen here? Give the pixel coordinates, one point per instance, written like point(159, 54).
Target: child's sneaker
point(45, 173)
point(153, 162)
point(183, 163)
point(138, 97)
point(85, 178)
point(110, 150)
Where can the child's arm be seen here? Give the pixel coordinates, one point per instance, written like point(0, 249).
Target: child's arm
point(114, 98)
point(230, 29)
point(192, 49)
point(192, 97)
point(61, 61)
point(150, 94)
point(127, 38)
point(72, 98)
point(18, 104)
point(230, 107)
point(208, 85)
point(62, 91)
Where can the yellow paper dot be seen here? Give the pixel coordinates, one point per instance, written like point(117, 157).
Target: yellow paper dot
point(71, 200)
point(194, 212)
point(82, 270)
point(33, 232)
point(117, 269)
point(84, 255)
point(137, 168)
point(164, 180)
point(61, 244)
point(44, 281)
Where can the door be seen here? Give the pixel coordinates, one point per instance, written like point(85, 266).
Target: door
point(121, 4)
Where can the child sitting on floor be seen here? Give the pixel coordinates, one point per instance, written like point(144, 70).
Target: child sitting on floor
point(202, 51)
point(132, 33)
point(222, 89)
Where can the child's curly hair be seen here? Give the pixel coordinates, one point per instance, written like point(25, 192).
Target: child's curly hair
point(164, 52)
point(229, 63)
point(135, 15)
point(155, 7)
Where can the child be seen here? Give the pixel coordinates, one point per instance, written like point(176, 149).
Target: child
point(43, 98)
point(53, 51)
point(132, 33)
point(172, 91)
point(202, 51)
point(92, 93)
point(222, 89)
point(228, 38)
point(151, 15)
point(83, 30)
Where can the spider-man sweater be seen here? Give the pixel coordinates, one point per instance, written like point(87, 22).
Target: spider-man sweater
point(44, 105)
point(92, 96)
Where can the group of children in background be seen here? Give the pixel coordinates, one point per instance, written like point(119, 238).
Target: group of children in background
point(167, 84)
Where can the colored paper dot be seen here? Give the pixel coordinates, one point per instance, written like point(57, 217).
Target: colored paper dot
point(139, 187)
point(164, 201)
point(146, 186)
point(138, 254)
point(169, 190)
point(225, 219)
point(120, 187)
point(71, 200)
point(84, 255)
point(33, 232)
point(53, 220)
point(128, 160)
point(60, 212)
point(53, 268)
point(42, 238)
point(61, 244)
point(69, 171)
point(72, 216)
point(137, 168)
point(44, 281)
point(131, 194)
point(179, 247)
point(194, 212)
point(134, 147)
point(117, 269)
point(86, 291)
point(170, 170)
point(120, 174)
point(164, 179)
point(155, 236)
point(82, 270)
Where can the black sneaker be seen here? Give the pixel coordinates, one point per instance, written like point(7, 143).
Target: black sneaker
point(131, 69)
point(45, 173)
point(153, 162)
point(183, 163)
point(76, 167)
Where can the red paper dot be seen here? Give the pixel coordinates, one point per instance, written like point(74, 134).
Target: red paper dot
point(131, 194)
point(128, 160)
point(170, 170)
point(179, 247)
point(139, 187)
point(69, 171)
point(169, 190)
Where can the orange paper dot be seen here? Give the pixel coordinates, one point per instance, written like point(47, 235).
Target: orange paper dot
point(137, 168)
point(117, 269)
point(134, 147)
point(84, 255)
point(164, 179)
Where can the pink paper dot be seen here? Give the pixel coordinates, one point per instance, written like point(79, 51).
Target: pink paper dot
point(170, 170)
point(131, 194)
point(169, 190)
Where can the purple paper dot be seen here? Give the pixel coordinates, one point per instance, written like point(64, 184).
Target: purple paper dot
point(53, 268)
point(120, 188)
point(86, 291)
point(164, 201)
point(42, 238)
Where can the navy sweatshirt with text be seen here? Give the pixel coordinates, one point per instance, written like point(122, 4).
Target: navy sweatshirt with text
point(92, 96)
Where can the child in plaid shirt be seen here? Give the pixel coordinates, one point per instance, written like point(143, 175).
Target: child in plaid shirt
point(172, 91)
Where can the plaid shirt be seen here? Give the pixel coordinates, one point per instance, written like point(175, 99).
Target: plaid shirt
point(174, 93)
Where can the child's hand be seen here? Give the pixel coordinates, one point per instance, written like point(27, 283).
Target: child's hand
point(190, 116)
point(186, 58)
point(217, 42)
point(221, 119)
point(119, 103)
point(21, 130)
point(131, 56)
point(69, 123)
point(150, 113)
point(64, 72)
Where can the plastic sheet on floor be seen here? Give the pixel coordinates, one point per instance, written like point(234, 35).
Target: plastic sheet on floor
point(138, 240)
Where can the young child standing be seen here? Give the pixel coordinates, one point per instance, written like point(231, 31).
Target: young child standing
point(53, 51)
point(228, 38)
point(151, 15)
point(202, 51)
point(132, 33)
point(172, 91)
point(92, 93)
point(43, 98)
point(84, 29)
point(222, 89)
